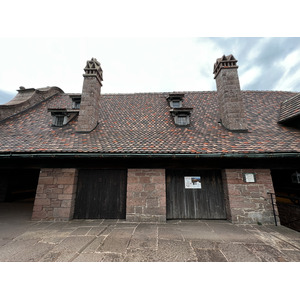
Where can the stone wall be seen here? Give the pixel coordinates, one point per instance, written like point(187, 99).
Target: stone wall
point(55, 195)
point(248, 202)
point(146, 195)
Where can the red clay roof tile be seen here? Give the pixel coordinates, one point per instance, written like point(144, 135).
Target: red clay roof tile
point(142, 123)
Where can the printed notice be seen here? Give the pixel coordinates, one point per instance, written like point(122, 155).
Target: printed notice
point(249, 177)
point(192, 182)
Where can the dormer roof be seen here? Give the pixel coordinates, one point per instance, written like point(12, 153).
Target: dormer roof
point(290, 110)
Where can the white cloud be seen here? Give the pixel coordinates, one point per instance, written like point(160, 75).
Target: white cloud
point(137, 64)
point(249, 76)
point(290, 80)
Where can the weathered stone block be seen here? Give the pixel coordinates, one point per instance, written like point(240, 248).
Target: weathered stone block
point(246, 201)
point(145, 191)
point(59, 188)
point(46, 180)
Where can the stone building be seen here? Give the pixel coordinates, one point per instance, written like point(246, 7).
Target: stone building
point(152, 156)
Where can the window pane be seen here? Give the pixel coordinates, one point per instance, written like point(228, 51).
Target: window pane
point(175, 104)
point(59, 120)
point(76, 104)
point(182, 120)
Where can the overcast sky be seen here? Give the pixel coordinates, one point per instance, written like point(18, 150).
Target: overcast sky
point(45, 57)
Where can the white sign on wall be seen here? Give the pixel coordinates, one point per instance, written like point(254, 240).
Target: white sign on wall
point(249, 177)
point(193, 182)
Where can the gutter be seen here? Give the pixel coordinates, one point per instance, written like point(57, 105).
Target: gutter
point(149, 155)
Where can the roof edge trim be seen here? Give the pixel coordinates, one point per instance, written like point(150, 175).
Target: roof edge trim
point(149, 155)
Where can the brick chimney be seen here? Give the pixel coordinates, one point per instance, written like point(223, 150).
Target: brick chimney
point(231, 106)
point(90, 97)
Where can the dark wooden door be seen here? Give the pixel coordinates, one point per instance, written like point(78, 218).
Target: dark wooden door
point(101, 194)
point(195, 194)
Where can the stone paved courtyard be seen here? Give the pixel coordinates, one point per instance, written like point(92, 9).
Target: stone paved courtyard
point(22, 240)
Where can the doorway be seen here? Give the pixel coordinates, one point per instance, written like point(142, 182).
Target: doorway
point(195, 194)
point(101, 194)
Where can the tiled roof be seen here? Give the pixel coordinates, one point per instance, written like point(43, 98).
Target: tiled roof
point(142, 123)
point(290, 109)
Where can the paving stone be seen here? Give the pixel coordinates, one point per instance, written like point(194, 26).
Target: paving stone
point(97, 230)
point(117, 241)
point(266, 253)
point(108, 229)
point(237, 253)
point(112, 257)
point(14, 247)
point(41, 225)
point(10, 231)
point(89, 257)
point(208, 255)
point(109, 222)
point(74, 244)
point(141, 255)
point(175, 251)
point(50, 257)
point(33, 253)
point(99, 257)
point(196, 231)
point(4, 242)
point(53, 239)
point(94, 245)
point(66, 256)
point(81, 231)
point(57, 226)
point(285, 231)
point(230, 232)
point(145, 236)
point(170, 233)
point(206, 244)
point(292, 255)
point(35, 234)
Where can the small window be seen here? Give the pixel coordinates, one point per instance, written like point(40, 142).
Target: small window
point(182, 120)
point(181, 116)
point(58, 120)
point(76, 103)
point(176, 104)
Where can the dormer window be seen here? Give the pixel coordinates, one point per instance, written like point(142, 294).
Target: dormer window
point(59, 120)
point(182, 120)
point(76, 99)
point(76, 103)
point(181, 116)
point(62, 116)
point(175, 103)
point(175, 100)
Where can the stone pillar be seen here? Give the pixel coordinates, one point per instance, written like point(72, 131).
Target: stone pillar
point(248, 202)
point(146, 195)
point(229, 94)
point(55, 195)
point(90, 98)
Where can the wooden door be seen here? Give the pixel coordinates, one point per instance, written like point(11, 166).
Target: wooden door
point(101, 194)
point(195, 194)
